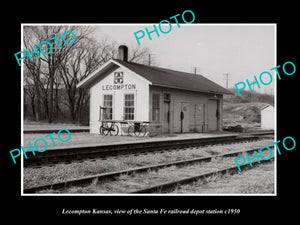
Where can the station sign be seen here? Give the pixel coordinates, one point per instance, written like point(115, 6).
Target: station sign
point(118, 83)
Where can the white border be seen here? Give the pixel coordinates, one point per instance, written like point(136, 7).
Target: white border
point(143, 24)
point(22, 113)
point(275, 122)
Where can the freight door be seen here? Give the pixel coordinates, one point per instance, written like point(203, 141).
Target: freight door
point(181, 117)
point(198, 118)
point(213, 115)
point(167, 114)
point(166, 119)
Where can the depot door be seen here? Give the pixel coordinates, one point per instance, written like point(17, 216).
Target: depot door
point(181, 117)
point(213, 115)
point(166, 119)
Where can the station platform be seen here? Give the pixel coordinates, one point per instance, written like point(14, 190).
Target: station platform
point(87, 140)
point(80, 136)
point(46, 128)
point(51, 130)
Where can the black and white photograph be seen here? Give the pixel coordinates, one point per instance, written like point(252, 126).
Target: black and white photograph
point(161, 117)
point(120, 111)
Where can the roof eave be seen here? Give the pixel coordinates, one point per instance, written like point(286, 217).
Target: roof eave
point(131, 71)
point(89, 80)
point(196, 90)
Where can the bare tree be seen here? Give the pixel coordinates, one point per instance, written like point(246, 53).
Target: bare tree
point(34, 35)
point(29, 91)
point(65, 67)
point(33, 84)
point(138, 54)
point(85, 58)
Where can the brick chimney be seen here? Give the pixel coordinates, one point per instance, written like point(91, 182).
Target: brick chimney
point(123, 53)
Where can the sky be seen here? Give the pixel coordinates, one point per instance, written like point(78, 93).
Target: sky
point(242, 50)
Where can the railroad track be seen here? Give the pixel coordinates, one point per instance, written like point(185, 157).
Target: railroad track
point(170, 186)
point(79, 153)
point(104, 177)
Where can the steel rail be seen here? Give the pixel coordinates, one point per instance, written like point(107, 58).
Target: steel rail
point(105, 176)
point(169, 186)
point(80, 153)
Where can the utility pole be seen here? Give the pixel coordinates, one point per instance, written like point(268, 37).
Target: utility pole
point(226, 76)
point(195, 70)
point(151, 57)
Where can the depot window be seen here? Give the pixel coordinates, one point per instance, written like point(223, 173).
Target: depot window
point(129, 107)
point(155, 107)
point(108, 109)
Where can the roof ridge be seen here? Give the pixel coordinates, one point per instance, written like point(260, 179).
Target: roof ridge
point(160, 68)
point(174, 78)
point(139, 64)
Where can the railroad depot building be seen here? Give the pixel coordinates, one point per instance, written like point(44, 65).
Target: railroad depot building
point(172, 101)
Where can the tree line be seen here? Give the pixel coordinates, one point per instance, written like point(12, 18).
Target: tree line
point(50, 80)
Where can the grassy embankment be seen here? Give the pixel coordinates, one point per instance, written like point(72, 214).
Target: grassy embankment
point(244, 110)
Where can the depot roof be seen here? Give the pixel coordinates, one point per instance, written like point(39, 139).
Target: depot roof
point(158, 77)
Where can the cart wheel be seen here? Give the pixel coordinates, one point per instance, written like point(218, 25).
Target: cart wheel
point(143, 132)
point(137, 131)
point(101, 130)
point(114, 130)
point(104, 130)
point(130, 130)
